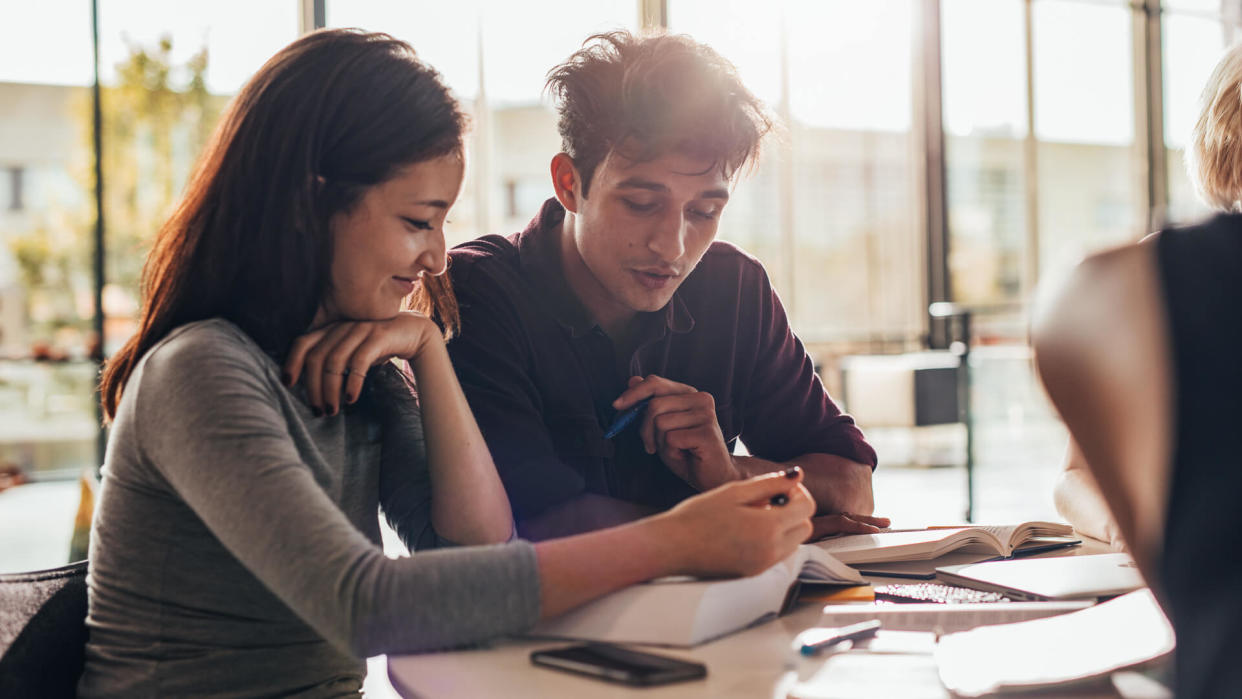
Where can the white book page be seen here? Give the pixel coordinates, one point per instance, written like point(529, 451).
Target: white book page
point(1003, 535)
point(1011, 536)
point(820, 566)
point(899, 546)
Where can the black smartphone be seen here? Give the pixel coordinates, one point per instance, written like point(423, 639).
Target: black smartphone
point(617, 664)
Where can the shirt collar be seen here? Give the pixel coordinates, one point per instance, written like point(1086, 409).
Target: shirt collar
point(539, 253)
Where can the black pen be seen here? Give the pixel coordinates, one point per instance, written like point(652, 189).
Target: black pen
point(625, 418)
point(813, 640)
point(781, 499)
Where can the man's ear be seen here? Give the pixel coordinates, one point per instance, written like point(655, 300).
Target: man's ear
point(565, 182)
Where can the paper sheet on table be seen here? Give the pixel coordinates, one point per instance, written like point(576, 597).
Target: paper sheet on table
point(1078, 647)
point(945, 618)
point(894, 664)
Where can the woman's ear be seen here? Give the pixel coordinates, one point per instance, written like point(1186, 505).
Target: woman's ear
point(565, 181)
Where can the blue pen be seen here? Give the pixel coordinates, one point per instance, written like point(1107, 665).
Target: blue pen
point(625, 418)
point(813, 640)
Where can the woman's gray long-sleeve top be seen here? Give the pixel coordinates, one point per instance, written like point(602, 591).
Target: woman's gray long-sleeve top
point(235, 547)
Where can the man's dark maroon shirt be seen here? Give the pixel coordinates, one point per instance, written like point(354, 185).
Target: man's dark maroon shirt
point(541, 376)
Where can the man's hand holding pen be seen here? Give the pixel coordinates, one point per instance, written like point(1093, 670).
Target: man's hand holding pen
point(679, 423)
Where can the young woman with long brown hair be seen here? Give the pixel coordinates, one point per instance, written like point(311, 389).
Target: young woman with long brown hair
point(258, 424)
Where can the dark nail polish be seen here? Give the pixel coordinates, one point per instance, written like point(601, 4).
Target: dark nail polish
point(779, 500)
point(287, 378)
point(331, 410)
point(792, 472)
point(316, 412)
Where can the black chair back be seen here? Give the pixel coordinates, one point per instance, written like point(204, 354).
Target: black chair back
point(42, 631)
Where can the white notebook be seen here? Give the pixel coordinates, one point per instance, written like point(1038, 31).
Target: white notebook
point(1064, 577)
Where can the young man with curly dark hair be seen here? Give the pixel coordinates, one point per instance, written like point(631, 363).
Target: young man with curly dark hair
point(618, 293)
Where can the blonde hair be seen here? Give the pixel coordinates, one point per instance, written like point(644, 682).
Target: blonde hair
point(1214, 156)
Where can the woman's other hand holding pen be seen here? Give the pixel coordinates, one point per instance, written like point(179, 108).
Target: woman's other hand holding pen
point(741, 528)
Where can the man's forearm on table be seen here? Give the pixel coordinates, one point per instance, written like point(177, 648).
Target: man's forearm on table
point(836, 483)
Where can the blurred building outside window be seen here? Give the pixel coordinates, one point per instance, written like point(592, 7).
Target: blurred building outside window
point(1041, 161)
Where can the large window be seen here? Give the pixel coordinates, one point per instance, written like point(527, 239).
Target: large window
point(1043, 105)
point(47, 417)
point(985, 125)
point(1084, 122)
point(166, 72)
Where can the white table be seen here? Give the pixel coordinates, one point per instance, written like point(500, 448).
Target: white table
point(745, 664)
point(750, 663)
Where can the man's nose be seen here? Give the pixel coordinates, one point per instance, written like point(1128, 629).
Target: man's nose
point(668, 237)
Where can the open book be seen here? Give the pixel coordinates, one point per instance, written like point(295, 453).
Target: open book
point(688, 611)
point(926, 544)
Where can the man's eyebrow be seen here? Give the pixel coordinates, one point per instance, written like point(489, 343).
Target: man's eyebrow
point(640, 183)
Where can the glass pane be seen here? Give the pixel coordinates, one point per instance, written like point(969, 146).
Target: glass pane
point(1084, 119)
point(1192, 46)
point(840, 188)
point(850, 63)
point(444, 34)
point(48, 426)
point(856, 272)
point(167, 72)
point(1201, 6)
point(753, 46)
point(752, 219)
point(985, 120)
point(519, 134)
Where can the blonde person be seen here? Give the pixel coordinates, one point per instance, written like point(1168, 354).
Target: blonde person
point(1214, 163)
point(259, 426)
point(1139, 352)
